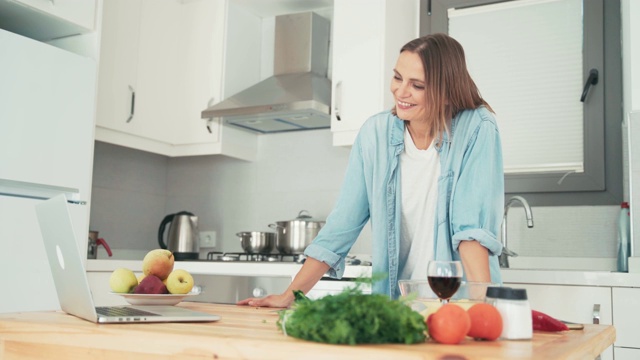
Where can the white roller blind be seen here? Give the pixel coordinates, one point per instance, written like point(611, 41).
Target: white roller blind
point(526, 58)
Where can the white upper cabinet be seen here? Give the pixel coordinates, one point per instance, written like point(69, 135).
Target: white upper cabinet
point(364, 54)
point(46, 20)
point(160, 65)
point(117, 77)
point(46, 111)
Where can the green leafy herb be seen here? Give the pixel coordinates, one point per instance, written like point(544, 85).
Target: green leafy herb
point(352, 317)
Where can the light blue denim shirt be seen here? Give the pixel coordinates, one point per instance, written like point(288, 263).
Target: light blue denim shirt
point(470, 196)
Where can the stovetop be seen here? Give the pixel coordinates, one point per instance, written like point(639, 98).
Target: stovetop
point(271, 258)
point(245, 257)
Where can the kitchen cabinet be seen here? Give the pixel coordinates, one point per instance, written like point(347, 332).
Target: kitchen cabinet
point(47, 105)
point(160, 66)
point(626, 302)
point(47, 115)
point(364, 55)
point(46, 20)
point(579, 304)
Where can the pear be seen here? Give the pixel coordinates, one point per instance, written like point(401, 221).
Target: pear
point(158, 262)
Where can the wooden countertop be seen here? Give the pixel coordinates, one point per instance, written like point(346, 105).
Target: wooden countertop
point(251, 333)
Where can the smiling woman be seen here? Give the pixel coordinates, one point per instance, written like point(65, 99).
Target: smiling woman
point(413, 172)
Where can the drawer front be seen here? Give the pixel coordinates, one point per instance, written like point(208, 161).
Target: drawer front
point(626, 317)
point(570, 303)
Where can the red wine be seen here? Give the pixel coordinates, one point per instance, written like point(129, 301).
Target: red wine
point(443, 286)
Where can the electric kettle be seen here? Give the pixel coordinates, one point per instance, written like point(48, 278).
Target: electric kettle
point(183, 238)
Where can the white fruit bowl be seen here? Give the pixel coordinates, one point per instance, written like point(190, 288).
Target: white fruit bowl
point(157, 299)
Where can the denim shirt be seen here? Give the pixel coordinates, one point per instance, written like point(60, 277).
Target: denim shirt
point(469, 206)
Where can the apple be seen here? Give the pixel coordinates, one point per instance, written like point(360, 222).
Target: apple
point(122, 280)
point(158, 262)
point(140, 277)
point(151, 284)
point(179, 282)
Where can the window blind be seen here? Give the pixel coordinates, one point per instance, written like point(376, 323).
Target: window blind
point(526, 58)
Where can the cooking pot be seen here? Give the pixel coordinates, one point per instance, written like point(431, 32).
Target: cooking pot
point(257, 242)
point(293, 236)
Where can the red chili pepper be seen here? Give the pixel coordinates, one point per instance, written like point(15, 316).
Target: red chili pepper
point(544, 322)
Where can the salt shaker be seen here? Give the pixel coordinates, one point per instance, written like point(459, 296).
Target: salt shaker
point(515, 310)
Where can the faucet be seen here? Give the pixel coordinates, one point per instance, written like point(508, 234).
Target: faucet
point(504, 256)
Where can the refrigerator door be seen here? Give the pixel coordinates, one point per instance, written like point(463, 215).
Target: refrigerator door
point(47, 101)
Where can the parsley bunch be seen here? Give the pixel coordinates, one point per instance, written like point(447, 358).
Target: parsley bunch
point(352, 318)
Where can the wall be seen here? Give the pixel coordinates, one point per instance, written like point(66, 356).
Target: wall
point(128, 197)
point(133, 190)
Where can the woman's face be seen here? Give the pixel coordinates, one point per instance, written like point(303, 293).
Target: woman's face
point(408, 87)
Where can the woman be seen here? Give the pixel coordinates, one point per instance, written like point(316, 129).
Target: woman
point(428, 174)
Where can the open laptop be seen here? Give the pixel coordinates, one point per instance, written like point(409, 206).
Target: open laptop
point(71, 280)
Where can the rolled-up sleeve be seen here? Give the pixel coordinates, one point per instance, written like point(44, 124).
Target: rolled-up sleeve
point(478, 198)
point(346, 220)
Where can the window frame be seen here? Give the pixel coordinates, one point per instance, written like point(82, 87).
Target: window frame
point(601, 183)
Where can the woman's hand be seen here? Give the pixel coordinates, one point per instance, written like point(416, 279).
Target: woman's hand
point(277, 301)
point(311, 271)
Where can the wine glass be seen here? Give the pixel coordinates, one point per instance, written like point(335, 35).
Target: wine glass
point(444, 278)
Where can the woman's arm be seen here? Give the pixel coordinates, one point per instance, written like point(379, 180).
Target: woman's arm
point(475, 260)
point(310, 273)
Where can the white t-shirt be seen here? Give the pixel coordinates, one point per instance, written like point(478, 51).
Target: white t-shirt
point(419, 172)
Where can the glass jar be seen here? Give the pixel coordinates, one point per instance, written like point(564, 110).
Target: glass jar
point(515, 310)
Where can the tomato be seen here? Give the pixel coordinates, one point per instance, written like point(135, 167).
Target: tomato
point(486, 322)
point(449, 324)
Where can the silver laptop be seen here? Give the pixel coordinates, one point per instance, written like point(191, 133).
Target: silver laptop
point(71, 280)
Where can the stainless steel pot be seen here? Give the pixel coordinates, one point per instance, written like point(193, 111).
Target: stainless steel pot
point(293, 236)
point(257, 242)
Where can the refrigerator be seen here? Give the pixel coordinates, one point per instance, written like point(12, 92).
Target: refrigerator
point(47, 118)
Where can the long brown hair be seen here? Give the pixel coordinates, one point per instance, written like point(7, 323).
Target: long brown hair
point(449, 88)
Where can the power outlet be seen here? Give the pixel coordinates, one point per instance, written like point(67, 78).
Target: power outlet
point(207, 239)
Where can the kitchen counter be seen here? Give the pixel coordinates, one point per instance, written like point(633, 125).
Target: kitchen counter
point(531, 276)
point(239, 268)
point(251, 333)
point(571, 277)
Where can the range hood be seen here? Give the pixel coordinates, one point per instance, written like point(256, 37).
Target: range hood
point(298, 95)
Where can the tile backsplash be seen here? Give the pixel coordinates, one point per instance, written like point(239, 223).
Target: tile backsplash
point(134, 190)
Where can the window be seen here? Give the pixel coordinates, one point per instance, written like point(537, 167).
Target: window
point(531, 60)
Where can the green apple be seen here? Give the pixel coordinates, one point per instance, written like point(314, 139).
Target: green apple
point(123, 280)
point(158, 262)
point(179, 282)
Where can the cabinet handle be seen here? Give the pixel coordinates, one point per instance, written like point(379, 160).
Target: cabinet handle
point(338, 102)
point(133, 104)
point(591, 80)
point(596, 313)
point(209, 104)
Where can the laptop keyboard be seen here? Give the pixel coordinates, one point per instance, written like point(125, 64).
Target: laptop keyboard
point(122, 311)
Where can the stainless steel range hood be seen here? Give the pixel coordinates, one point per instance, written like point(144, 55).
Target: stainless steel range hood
point(298, 95)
